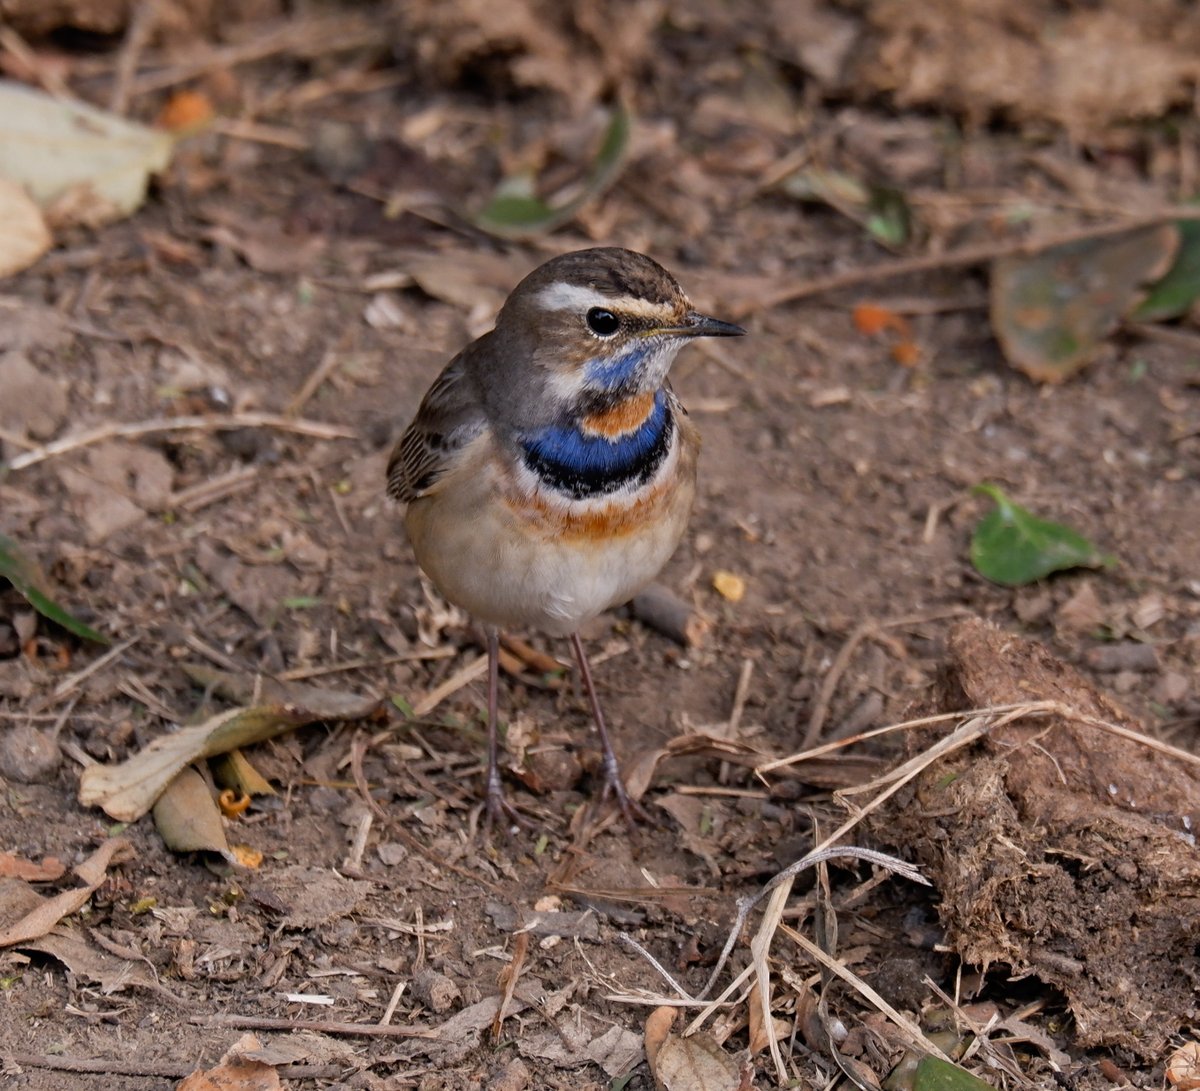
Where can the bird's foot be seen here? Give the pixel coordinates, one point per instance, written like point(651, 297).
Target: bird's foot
point(631, 809)
point(499, 813)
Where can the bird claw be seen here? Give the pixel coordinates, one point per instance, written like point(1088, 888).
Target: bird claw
point(499, 813)
point(631, 809)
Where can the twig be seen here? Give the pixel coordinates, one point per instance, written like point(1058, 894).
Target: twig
point(321, 1026)
point(530, 657)
point(145, 16)
point(826, 850)
point(16, 440)
point(1189, 342)
point(906, 1026)
point(464, 676)
point(329, 34)
point(951, 259)
point(210, 490)
point(393, 1003)
point(327, 366)
point(739, 698)
point(257, 133)
point(358, 750)
point(665, 612)
point(841, 662)
point(316, 429)
point(11, 41)
point(71, 682)
point(299, 673)
point(508, 982)
point(101, 1066)
point(164, 1070)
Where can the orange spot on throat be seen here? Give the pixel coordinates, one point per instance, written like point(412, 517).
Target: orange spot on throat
point(623, 418)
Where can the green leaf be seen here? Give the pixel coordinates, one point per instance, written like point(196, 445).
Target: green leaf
point(27, 578)
point(301, 602)
point(934, 1074)
point(1011, 546)
point(1174, 295)
point(515, 211)
point(890, 219)
point(882, 210)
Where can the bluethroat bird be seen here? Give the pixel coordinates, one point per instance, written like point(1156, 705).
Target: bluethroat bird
point(550, 470)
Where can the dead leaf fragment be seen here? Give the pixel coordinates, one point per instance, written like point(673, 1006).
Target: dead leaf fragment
point(34, 403)
point(14, 866)
point(38, 921)
point(1051, 310)
point(187, 817)
point(236, 1072)
point(24, 236)
point(728, 585)
point(92, 966)
point(696, 1063)
point(80, 164)
point(1183, 1069)
point(128, 790)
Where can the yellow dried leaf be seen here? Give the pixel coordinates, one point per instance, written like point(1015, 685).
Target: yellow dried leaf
point(728, 585)
point(1183, 1069)
point(245, 856)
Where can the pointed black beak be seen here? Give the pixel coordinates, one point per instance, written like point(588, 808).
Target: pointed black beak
point(701, 325)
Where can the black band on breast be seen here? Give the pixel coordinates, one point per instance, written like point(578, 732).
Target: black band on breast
point(581, 466)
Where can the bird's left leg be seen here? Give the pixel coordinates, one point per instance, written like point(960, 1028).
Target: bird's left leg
point(630, 808)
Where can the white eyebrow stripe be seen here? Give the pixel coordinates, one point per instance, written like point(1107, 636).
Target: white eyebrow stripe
point(562, 296)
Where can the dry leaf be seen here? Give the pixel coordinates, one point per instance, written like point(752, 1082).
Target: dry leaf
point(247, 857)
point(109, 972)
point(187, 817)
point(236, 1072)
point(1052, 310)
point(50, 911)
point(14, 866)
point(695, 1064)
point(80, 164)
point(1183, 1069)
point(657, 1029)
point(728, 585)
point(24, 236)
point(128, 790)
point(234, 770)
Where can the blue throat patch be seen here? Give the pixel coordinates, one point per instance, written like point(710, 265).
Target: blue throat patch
point(616, 373)
point(580, 465)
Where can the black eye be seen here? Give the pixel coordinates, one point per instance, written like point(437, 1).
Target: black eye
point(603, 322)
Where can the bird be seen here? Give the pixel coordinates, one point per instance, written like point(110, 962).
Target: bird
point(550, 470)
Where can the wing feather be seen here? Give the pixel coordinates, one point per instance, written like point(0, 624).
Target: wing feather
point(450, 417)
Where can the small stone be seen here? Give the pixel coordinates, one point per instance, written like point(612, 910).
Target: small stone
point(34, 404)
point(1172, 688)
point(1124, 655)
point(435, 990)
point(28, 756)
point(1083, 612)
point(514, 1077)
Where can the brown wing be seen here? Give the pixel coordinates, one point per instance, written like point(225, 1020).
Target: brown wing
point(449, 418)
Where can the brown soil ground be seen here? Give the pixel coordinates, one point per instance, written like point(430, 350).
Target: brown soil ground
point(834, 481)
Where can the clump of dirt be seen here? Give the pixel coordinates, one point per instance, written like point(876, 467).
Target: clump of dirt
point(1061, 848)
point(1080, 66)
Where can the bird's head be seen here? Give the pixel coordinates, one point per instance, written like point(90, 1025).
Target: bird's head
point(602, 324)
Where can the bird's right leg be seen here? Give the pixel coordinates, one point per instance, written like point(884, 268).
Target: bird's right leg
point(497, 809)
